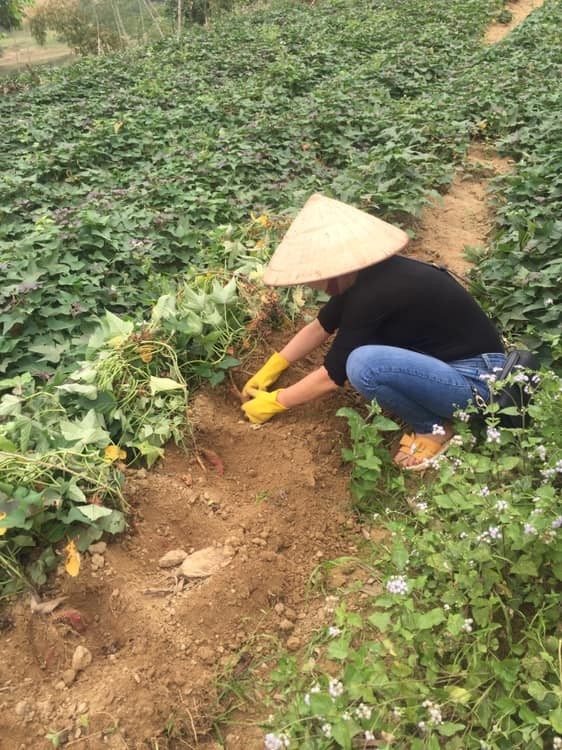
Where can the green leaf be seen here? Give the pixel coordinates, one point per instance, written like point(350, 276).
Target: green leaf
point(161, 385)
point(114, 523)
point(164, 309)
point(525, 566)
point(428, 620)
point(380, 620)
point(537, 690)
point(449, 728)
point(342, 734)
point(6, 445)
point(88, 391)
point(555, 717)
point(339, 649)
point(399, 555)
point(459, 695)
point(87, 431)
point(94, 512)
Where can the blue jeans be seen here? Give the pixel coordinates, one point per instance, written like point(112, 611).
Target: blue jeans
point(422, 390)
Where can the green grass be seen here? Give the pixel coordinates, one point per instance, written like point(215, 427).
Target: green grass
point(19, 50)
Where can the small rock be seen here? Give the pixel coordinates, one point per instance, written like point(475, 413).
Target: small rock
point(206, 654)
point(279, 608)
point(81, 658)
point(293, 643)
point(68, 677)
point(286, 626)
point(98, 561)
point(204, 562)
point(172, 559)
point(98, 548)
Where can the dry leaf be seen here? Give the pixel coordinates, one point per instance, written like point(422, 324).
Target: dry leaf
point(2, 529)
point(145, 352)
point(45, 608)
point(72, 562)
point(114, 453)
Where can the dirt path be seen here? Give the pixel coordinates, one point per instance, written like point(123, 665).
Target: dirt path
point(280, 508)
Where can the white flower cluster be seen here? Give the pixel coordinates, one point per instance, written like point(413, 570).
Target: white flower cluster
point(276, 741)
point(492, 532)
point(553, 470)
point(397, 585)
point(363, 712)
point(334, 631)
point(438, 429)
point(467, 626)
point(434, 712)
point(501, 506)
point(313, 689)
point(557, 743)
point(493, 435)
point(335, 688)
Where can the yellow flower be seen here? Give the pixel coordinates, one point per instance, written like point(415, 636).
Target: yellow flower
point(2, 529)
point(72, 562)
point(117, 126)
point(262, 220)
point(114, 453)
point(145, 352)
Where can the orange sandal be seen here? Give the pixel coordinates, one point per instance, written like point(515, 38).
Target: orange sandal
point(423, 449)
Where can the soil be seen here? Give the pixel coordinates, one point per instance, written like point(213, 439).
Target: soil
point(163, 647)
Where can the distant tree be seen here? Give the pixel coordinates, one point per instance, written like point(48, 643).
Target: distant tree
point(12, 13)
point(87, 26)
point(195, 11)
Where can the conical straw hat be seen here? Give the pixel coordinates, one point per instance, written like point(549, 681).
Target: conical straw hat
point(329, 238)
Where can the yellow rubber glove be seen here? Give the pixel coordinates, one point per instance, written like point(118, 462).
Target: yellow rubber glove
point(268, 374)
point(263, 406)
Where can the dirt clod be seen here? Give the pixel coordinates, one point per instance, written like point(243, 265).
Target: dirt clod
point(172, 559)
point(81, 658)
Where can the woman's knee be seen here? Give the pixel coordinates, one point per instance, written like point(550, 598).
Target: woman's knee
point(359, 366)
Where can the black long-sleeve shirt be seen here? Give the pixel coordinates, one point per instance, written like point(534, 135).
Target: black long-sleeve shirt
point(405, 303)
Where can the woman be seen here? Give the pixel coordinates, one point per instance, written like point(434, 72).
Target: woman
point(408, 335)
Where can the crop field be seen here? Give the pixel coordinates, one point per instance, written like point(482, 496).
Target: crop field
point(140, 197)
